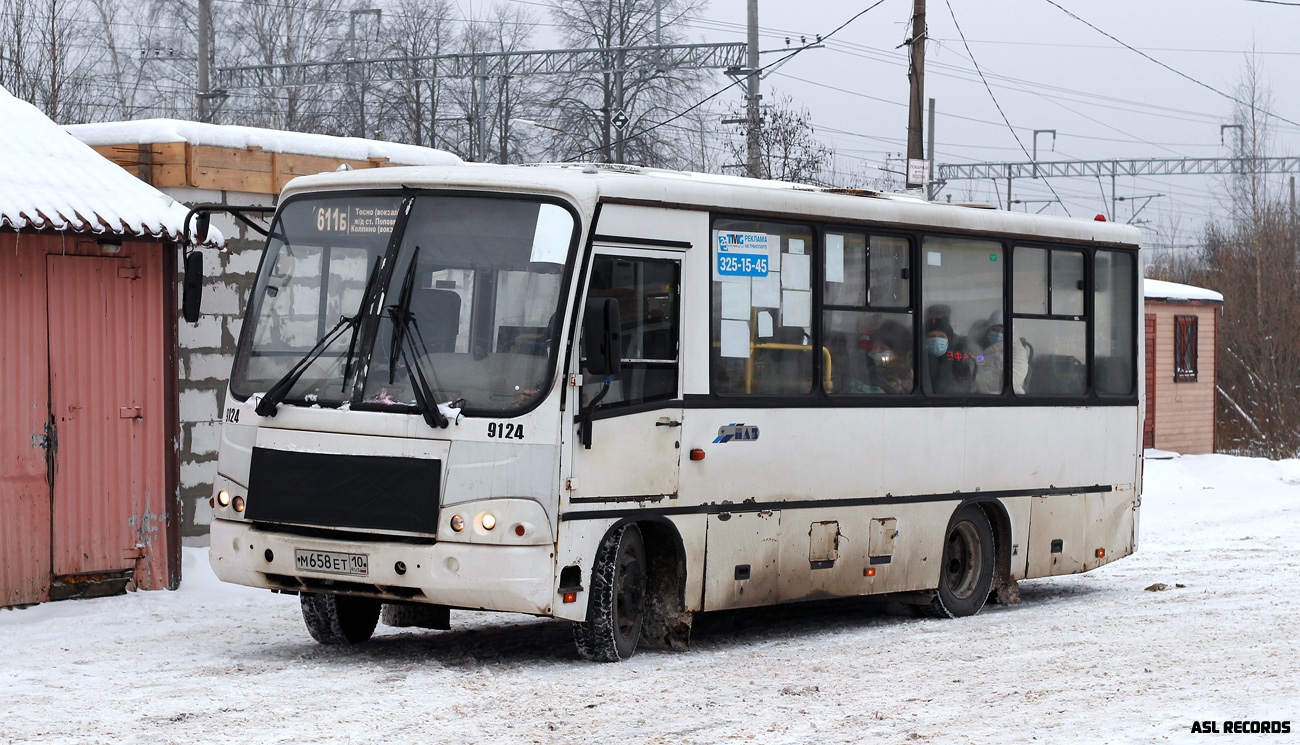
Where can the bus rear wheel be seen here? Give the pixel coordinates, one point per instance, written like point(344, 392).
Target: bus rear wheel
point(617, 605)
point(339, 619)
point(966, 573)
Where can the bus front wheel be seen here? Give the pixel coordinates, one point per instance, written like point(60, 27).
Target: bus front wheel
point(966, 573)
point(616, 607)
point(339, 619)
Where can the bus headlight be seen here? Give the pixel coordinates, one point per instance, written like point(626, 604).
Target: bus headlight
point(457, 523)
point(239, 504)
point(223, 498)
point(489, 521)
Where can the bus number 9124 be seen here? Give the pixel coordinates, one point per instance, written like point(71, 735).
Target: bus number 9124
point(503, 430)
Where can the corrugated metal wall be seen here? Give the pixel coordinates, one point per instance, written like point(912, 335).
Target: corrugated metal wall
point(24, 491)
point(89, 340)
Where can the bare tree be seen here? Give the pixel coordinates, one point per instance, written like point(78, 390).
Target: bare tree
point(586, 104)
point(788, 147)
point(414, 28)
point(288, 31)
point(1252, 259)
point(47, 57)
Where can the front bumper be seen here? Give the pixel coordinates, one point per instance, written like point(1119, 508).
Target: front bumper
point(462, 575)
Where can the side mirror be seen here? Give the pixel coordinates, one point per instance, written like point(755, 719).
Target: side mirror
point(192, 288)
point(602, 336)
point(201, 225)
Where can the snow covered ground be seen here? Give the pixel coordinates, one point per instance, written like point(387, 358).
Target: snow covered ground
point(1089, 658)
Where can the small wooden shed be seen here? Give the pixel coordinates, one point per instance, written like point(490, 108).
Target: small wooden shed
point(1182, 339)
point(88, 407)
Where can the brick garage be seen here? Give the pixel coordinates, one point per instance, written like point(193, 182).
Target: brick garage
point(1182, 333)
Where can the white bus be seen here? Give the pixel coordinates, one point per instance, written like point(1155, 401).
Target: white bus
point(620, 396)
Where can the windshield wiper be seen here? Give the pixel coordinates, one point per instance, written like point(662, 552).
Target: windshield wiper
point(281, 388)
point(404, 324)
point(277, 393)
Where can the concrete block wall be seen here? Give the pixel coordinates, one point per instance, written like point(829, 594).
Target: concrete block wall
point(206, 352)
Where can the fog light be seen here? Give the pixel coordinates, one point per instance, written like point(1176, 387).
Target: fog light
point(457, 523)
point(239, 504)
point(223, 498)
point(489, 521)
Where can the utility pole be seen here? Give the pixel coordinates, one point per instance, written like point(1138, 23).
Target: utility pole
point(480, 110)
point(620, 64)
point(205, 52)
point(933, 187)
point(352, 59)
point(916, 75)
point(752, 145)
point(659, 37)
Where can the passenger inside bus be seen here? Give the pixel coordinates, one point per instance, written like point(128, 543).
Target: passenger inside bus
point(988, 373)
point(891, 358)
point(947, 368)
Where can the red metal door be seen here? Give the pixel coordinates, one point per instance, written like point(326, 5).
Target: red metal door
point(97, 397)
point(24, 415)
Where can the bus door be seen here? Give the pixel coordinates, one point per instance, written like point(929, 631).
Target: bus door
point(636, 426)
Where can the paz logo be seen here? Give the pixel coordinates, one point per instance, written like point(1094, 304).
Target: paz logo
point(737, 431)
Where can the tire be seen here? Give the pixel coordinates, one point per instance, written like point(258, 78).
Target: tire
point(966, 573)
point(617, 606)
point(339, 619)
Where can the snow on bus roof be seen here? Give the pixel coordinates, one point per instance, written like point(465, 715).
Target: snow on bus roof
point(51, 181)
point(149, 131)
point(1155, 289)
point(587, 183)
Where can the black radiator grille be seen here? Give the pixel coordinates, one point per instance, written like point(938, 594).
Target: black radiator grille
point(344, 491)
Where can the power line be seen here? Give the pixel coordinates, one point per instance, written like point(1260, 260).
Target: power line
point(1012, 129)
point(1179, 73)
point(738, 80)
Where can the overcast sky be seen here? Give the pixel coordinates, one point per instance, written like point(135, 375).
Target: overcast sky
point(1048, 71)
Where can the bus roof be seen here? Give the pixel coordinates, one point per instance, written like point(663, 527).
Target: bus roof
point(587, 183)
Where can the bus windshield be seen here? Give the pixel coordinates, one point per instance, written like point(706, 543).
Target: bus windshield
point(465, 298)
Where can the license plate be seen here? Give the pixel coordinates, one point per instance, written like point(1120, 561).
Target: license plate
point(332, 562)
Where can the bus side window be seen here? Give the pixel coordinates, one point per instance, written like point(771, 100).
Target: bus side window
point(867, 321)
point(962, 297)
point(1113, 323)
point(647, 295)
point(1049, 322)
point(762, 308)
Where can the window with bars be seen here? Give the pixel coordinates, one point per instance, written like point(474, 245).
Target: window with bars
point(1185, 330)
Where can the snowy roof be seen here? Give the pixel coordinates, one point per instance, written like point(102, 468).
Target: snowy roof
point(149, 131)
point(51, 181)
point(1155, 289)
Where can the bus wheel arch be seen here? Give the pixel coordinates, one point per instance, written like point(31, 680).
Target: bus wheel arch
point(657, 555)
point(668, 623)
point(969, 565)
point(1005, 590)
